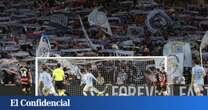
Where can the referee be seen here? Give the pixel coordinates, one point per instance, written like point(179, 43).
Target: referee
point(58, 76)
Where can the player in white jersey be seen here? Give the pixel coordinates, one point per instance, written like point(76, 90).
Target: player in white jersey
point(46, 81)
point(87, 79)
point(198, 74)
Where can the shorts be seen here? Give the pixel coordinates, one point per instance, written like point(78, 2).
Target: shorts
point(162, 88)
point(26, 88)
point(26, 85)
point(90, 88)
point(59, 85)
point(198, 87)
point(49, 91)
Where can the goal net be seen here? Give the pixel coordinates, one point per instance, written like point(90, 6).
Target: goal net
point(110, 72)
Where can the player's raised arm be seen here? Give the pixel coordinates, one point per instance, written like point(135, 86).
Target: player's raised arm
point(94, 78)
point(49, 68)
point(82, 77)
point(83, 72)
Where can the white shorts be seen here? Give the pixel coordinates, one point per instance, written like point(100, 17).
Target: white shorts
point(198, 87)
point(90, 88)
point(49, 90)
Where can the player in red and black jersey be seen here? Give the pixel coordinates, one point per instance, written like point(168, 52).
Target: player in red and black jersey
point(25, 78)
point(161, 83)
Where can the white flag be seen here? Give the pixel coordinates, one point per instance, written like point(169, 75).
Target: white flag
point(93, 46)
point(44, 47)
point(204, 41)
point(85, 32)
point(99, 18)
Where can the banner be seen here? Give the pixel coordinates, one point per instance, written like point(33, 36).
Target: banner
point(156, 20)
point(124, 53)
point(174, 66)
point(115, 52)
point(44, 47)
point(179, 47)
point(100, 19)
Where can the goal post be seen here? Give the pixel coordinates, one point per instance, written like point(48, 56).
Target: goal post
point(118, 71)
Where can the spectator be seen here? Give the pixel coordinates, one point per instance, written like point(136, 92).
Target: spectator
point(100, 79)
point(9, 77)
point(122, 77)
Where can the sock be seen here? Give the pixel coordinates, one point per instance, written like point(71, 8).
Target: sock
point(63, 92)
point(59, 92)
point(92, 93)
point(84, 93)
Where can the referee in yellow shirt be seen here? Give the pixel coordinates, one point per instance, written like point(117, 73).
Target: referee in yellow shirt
point(58, 76)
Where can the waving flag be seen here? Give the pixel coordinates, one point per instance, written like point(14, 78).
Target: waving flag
point(99, 18)
point(156, 20)
point(44, 47)
point(85, 32)
point(204, 43)
point(93, 46)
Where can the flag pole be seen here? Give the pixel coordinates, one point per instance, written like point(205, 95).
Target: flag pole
point(85, 33)
point(201, 56)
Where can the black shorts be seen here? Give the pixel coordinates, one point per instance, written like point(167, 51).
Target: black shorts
point(161, 88)
point(59, 84)
point(26, 85)
point(27, 88)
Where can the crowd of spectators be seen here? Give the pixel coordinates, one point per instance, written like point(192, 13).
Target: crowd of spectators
point(23, 22)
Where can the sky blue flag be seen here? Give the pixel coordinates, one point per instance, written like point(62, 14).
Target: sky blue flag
point(44, 47)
